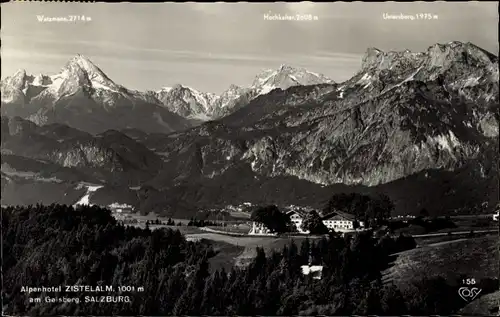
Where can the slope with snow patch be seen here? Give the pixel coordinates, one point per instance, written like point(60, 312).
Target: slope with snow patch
point(85, 198)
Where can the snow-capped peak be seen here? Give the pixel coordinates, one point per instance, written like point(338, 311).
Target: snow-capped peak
point(234, 87)
point(187, 101)
point(83, 61)
point(165, 89)
point(85, 64)
point(14, 87)
point(186, 89)
point(286, 76)
point(20, 72)
point(84, 71)
point(285, 67)
point(41, 80)
point(17, 80)
point(79, 72)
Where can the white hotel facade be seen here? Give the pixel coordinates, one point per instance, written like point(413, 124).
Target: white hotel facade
point(337, 221)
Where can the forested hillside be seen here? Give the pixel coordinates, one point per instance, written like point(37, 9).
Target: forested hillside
point(58, 245)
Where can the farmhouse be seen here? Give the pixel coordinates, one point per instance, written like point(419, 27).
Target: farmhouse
point(120, 208)
point(337, 221)
point(297, 218)
point(341, 221)
point(259, 228)
point(313, 270)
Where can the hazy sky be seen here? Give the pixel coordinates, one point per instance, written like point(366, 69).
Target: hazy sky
point(210, 46)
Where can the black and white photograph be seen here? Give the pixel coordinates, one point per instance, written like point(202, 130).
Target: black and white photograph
point(250, 159)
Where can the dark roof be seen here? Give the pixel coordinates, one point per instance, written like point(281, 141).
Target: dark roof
point(301, 213)
point(340, 214)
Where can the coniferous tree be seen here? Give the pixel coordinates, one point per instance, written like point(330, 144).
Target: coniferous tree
point(392, 301)
point(371, 303)
point(305, 249)
point(273, 219)
point(313, 223)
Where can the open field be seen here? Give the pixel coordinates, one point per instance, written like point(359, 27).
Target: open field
point(424, 241)
point(486, 305)
point(473, 223)
point(240, 215)
point(436, 241)
point(476, 223)
point(153, 216)
point(475, 257)
point(238, 228)
point(248, 245)
point(185, 230)
point(226, 255)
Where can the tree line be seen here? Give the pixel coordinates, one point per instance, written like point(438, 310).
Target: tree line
point(193, 222)
point(372, 210)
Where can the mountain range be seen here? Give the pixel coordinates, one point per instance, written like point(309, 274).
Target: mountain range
point(421, 128)
point(193, 104)
point(83, 90)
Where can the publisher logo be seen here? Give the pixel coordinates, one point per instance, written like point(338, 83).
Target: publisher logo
point(468, 294)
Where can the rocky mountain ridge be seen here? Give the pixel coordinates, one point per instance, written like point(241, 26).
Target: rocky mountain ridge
point(193, 104)
point(107, 156)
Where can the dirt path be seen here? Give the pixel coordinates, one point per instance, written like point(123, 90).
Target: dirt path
point(444, 242)
point(452, 233)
